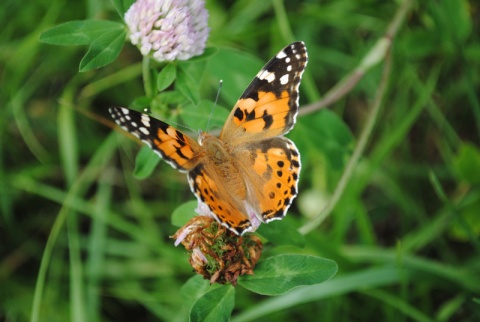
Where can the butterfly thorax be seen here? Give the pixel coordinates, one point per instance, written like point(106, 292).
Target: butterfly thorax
point(223, 165)
point(215, 148)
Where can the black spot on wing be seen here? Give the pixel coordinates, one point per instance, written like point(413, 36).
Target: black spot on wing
point(268, 119)
point(295, 164)
point(249, 115)
point(238, 114)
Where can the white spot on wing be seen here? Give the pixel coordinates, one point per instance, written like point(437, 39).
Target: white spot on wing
point(266, 75)
point(281, 55)
point(146, 120)
point(144, 130)
point(271, 77)
point(284, 79)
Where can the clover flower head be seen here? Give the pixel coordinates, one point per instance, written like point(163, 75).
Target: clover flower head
point(168, 30)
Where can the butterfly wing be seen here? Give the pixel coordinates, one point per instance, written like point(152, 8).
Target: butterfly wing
point(265, 111)
point(217, 200)
point(269, 105)
point(178, 149)
point(272, 172)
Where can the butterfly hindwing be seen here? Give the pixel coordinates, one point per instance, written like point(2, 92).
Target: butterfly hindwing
point(273, 173)
point(227, 209)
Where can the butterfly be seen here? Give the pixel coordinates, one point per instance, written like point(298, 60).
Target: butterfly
point(249, 173)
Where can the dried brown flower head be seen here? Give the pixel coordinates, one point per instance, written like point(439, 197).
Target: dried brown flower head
point(217, 253)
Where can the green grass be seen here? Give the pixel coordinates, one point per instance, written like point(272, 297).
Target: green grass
point(389, 188)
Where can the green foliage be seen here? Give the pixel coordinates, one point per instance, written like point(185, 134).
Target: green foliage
point(145, 163)
point(279, 274)
point(281, 233)
point(466, 164)
point(83, 32)
point(215, 305)
point(183, 213)
point(84, 240)
point(166, 77)
point(103, 50)
point(105, 38)
point(187, 83)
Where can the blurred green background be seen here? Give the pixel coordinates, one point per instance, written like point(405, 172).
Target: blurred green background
point(405, 232)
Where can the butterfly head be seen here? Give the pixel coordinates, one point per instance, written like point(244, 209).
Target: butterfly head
point(201, 137)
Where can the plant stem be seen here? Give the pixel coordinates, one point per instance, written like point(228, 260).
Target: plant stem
point(146, 76)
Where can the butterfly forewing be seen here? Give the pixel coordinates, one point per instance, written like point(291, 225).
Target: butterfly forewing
point(175, 147)
point(269, 105)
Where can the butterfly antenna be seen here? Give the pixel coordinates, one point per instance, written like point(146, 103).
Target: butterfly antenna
point(220, 83)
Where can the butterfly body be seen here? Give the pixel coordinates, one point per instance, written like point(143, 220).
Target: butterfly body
point(249, 173)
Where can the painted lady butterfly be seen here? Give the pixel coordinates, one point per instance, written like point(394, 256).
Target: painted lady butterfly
point(249, 173)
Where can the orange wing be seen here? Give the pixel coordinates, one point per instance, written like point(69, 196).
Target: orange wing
point(224, 206)
point(269, 105)
point(178, 149)
point(272, 177)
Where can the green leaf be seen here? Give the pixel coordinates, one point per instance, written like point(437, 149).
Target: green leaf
point(419, 43)
point(189, 75)
point(469, 225)
point(467, 163)
point(279, 274)
point(236, 69)
point(184, 213)
point(207, 53)
point(79, 32)
point(141, 103)
point(205, 113)
point(325, 127)
point(282, 232)
point(188, 86)
point(103, 50)
point(145, 162)
point(122, 6)
point(194, 288)
point(166, 77)
point(215, 305)
point(173, 98)
point(459, 21)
